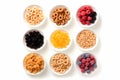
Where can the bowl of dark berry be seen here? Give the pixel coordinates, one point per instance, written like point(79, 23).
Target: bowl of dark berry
point(87, 64)
point(34, 40)
point(87, 16)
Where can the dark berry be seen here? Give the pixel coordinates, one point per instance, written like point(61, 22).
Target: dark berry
point(95, 65)
point(87, 55)
point(34, 39)
point(78, 63)
point(91, 68)
point(88, 71)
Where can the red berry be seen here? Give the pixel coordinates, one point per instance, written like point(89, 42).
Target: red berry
point(88, 7)
point(88, 11)
point(82, 66)
point(83, 61)
point(86, 68)
point(92, 62)
point(78, 14)
point(87, 64)
point(79, 58)
point(92, 57)
point(83, 13)
point(88, 22)
point(88, 59)
point(82, 70)
point(89, 18)
point(91, 68)
point(82, 8)
point(84, 18)
point(83, 22)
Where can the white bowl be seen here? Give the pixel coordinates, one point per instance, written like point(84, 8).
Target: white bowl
point(30, 49)
point(92, 24)
point(87, 49)
point(40, 23)
point(56, 73)
point(38, 73)
point(61, 49)
point(60, 26)
point(92, 72)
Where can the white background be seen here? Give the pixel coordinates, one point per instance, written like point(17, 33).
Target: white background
point(13, 27)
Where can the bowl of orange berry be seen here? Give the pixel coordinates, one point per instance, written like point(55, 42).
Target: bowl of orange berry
point(60, 40)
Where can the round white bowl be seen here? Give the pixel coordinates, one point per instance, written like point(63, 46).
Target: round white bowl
point(38, 73)
point(60, 26)
point(92, 24)
point(88, 74)
point(61, 49)
point(56, 73)
point(87, 49)
point(40, 23)
point(30, 49)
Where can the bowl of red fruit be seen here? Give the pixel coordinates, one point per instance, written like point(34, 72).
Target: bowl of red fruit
point(87, 16)
point(86, 63)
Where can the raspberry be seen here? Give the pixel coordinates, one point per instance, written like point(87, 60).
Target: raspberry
point(82, 66)
point(83, 22)
point(89, 18)
point(88, 12)
point(83, 61)
point(88, 22)
point(92, 62)
point(83, 13)
point(92, 57)
point(86, 68)
point(91, 68)
point(87, 64)
point(88, 59)
point(82, 70)
point(79, 58)
point(78, 14)
point(84, 18)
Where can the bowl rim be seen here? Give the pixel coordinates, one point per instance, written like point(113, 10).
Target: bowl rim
point(30, 49)
point(60, 26)
point(40, 23)
point(61, 49)
point(87, 49)
point(67, 71)
point(39, 72)
point(91, 25)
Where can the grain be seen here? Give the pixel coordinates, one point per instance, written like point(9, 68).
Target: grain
point(33, 63)
point(33, 15)
point(60, 15)
point(60, 63)
point(86, 39)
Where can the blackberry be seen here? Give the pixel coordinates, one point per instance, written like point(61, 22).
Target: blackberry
point(34, 39)
point(93, 20)
point(93, 14)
